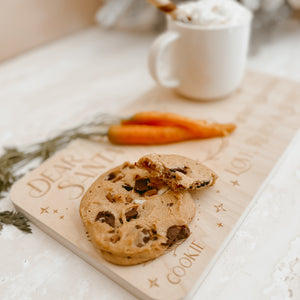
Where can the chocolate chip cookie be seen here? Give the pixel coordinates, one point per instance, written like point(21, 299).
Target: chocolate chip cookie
point(133, 217)
point(177, 171)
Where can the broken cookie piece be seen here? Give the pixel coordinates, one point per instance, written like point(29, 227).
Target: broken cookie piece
point(136, 218)
point(134, 212)
point(177, 171)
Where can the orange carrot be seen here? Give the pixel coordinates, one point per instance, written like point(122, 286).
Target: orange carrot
point(147, 135)
point(156, 118)
point(200, 128)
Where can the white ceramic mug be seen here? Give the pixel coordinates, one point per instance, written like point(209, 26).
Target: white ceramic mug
point(205, 63)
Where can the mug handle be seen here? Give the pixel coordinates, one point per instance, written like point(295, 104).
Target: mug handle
point(156, 51)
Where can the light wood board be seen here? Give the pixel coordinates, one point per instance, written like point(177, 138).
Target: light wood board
point(267, 112)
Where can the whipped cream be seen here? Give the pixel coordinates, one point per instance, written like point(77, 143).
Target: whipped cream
point(216, 13)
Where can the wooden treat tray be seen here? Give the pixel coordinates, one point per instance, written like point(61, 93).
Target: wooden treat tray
point(266, 111)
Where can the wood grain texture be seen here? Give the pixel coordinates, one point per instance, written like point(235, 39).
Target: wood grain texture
point(266, 111)
point(29, 23)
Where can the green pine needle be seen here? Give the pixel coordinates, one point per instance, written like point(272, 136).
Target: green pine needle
point(16, 219)
point(13, 160)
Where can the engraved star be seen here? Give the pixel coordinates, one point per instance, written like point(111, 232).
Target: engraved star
point(44, 210)
point(61, 217)
point(220, 224)
point(153, 282)
point(55, 211)
point(235, 182)
point(220, 207)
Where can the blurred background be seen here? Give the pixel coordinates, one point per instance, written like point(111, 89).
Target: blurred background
point(25, 24)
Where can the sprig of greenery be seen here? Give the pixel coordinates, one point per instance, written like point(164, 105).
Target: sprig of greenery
point(14, 159)
point(16, 219)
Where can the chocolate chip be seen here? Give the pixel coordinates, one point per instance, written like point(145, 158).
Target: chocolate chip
point(180, 186)
point(110, 197)
point(146, 239)
point(141, 185)
point(177, 232)
point(111, 176)
point(114, 177)
point(181, 170)
point(147, 234)
point(131, 214)
point(114, 198)
point(153, 231)
point(170, 204)
point(106, 217)
point(146, 164)
point(121, 221)
point(138, 226)
point(119, 177)
point(127, 187)
point(199, 185)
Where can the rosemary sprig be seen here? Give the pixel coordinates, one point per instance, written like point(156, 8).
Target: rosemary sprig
point(16, 219)
point(14, 159)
